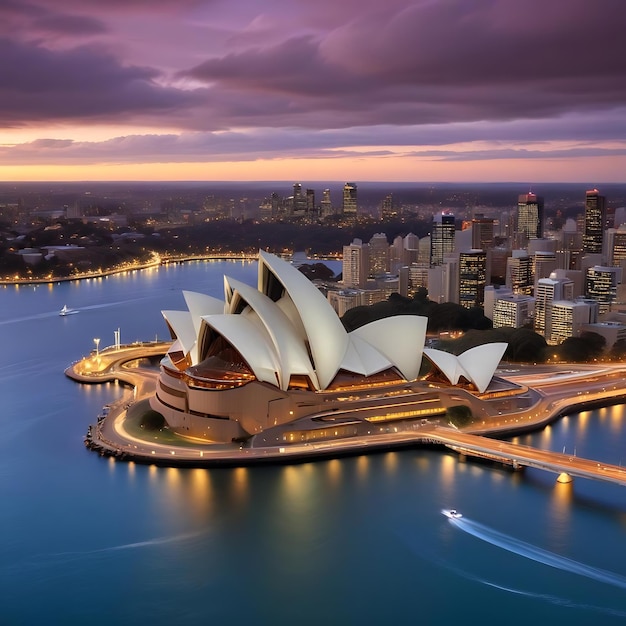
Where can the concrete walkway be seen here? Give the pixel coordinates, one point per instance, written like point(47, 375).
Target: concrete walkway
point(552, 391)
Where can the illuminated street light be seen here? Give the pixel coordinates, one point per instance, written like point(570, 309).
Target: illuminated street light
point(97, 342)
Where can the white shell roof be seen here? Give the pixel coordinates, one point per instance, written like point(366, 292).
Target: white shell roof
point(481, 363)
point(290, 348)
point(277, 333)
point(476, 364)
point(200, 304)
point(182, 324)
point(254, 345)
point(328, 339)
point(400, 339)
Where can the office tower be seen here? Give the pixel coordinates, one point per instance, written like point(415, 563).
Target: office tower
point(355, 264)
point(441, 237)
point(619, 217)
point(497, 259)
point(326, 206)
point(349, 206)
point(310, 203)
point(378, 255)
point(601, 285)
point(482, 232)
point(512, 310)
point(418, 277)
point(548, 290)
point(343, 300)
point(443, 282)
point(568, 318)
point(519, 273)
point(472, 277)
point(616, 246)
point(387, 207)
point(544, 263)
point(595, 218)
point(299, 201)
point(530, 215)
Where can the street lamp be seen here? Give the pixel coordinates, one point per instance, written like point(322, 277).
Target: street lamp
point(97, 342)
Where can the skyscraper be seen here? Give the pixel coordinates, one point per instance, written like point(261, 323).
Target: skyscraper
point(349, 207)
point(482, 232)
point(595, 218)
point(472, 277)
point(530, 215)
point(519, 273)
point(355, 264)
point(378, 255)
point(441, 237)
point(326, 205)
point(601, 285)
point(299, 200)
point(387, 208)
point(548, 290)
point(311, 209)
point(616, 246)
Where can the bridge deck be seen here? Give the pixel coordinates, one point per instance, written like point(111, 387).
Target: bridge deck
point(517, 455)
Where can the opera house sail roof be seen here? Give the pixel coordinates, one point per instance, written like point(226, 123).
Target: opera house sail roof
point(284, 336)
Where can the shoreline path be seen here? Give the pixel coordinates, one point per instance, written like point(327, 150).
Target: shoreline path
point(555, 390)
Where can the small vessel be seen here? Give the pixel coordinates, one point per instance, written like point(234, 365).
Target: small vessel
point(66, 311)
point(451, 513)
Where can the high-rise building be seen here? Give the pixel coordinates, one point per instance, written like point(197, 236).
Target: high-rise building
point(441, 237)
point(443, 281)
point(601, 285)
point(567, 319)
point(349, 206)
point(418, 277)
point(544, 263)
point(616, 246)
point(355, 264)
point(378, 255)
point(310, 202)
point(387, 207)
point(343, 300)
point(472, 277)
point(530, 215)
point(326, 205)
point(512, 310)
point(482, 232)
point(548, 290)
point(595, 218)
point(298, 207)
point(519, 273)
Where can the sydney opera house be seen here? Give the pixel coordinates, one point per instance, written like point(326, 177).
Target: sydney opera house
point(275, 364)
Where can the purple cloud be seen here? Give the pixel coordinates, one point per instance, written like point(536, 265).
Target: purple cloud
point(321, 77)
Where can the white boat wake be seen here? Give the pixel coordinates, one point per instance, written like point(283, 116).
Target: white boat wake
point(534, 553)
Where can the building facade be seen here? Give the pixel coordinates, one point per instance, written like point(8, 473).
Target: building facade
point(441, 237)
point(530, 217)
point(472, 278)
point(595, 219)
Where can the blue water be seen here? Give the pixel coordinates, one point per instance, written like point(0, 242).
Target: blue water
point(353, 541)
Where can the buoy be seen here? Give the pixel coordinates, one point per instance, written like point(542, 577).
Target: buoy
point(564, 477)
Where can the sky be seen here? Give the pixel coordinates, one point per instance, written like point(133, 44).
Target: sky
point(311, 90)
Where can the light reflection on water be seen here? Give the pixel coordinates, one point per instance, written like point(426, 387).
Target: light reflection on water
point(265, 544)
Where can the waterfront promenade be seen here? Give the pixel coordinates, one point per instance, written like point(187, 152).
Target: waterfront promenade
point(552, 392)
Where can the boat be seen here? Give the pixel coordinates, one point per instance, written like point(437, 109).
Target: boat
point(66, 311)
point(452, 513)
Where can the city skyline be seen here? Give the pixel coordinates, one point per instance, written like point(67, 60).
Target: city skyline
point(439, 90)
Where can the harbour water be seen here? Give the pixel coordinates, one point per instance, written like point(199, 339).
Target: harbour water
point(359, 540)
